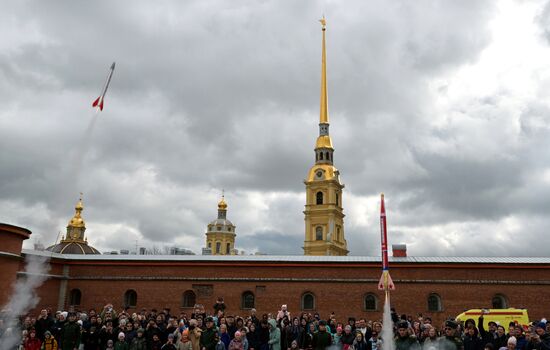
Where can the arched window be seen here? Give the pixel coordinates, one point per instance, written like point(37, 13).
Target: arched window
point(210, 245)
point(434, 302)
point(74, 297)
point(248, 300)
point(499, 302)
point(308, 301)
point(337, 199)
point(218, 247)
point(327, 156)
point(188, 299)
point(320, 155)
point(319, 197)
point(130, 298)
point(319, 233)
point(228, 248)
point(371, 302)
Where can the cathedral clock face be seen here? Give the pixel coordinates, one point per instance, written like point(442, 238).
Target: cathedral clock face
point(319, 174)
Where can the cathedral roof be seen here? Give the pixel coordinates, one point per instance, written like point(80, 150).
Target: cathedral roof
point(73, 248)
point(221, 222)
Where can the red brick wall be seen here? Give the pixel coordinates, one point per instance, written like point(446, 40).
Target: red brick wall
point(338, 287)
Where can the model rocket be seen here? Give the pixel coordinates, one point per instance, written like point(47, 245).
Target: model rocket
point(99, 101)
point(385, 282)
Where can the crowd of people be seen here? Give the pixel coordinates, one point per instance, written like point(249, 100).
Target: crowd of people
point(107, 329)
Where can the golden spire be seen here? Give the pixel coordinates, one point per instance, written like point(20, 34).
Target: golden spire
point(324, 96)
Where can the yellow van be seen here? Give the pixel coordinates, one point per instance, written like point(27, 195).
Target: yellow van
point(502, 317)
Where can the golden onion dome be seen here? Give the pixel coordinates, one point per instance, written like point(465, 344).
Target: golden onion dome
point(77, 220)
point(222, 205)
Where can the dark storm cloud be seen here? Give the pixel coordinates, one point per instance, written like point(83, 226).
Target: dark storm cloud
point(212, 95)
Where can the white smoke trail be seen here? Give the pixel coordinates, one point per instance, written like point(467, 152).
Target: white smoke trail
point(387, 326)
point(82, 150)
point(23, 299)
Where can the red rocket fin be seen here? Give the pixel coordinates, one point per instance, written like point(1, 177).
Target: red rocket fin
point(381, 283)
point(96, 102)
point(101, 105)
point(391, 286)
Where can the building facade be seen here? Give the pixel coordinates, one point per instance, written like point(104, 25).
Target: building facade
point(346, 285)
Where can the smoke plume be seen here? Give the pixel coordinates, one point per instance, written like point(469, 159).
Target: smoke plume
point(23, 299)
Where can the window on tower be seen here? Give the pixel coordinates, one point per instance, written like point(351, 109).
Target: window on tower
point(321, 155)
point(337, 199)
point(228, 248)
point(319, 197)
point(319, 233)
point(218, 247)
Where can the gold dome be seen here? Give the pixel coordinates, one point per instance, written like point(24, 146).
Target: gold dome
point(323, 141)
point(77, 220)
point(222, 205)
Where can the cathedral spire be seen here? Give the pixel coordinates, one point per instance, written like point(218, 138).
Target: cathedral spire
point(324, 216)
point(324, 143)
point(324, 96)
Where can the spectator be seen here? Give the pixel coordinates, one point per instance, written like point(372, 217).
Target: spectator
point(253, 338)
point(322, 339)
point(374, 341)
point(70, 334)
point(207, 339)
point(139, 342)
point(156, 344)
point(404, 340)
point(121, 344)
point(32, 342)
point(274, 335)
point(224, 336)
point(510, 344)
point(184, 343)
point(219, 305)
point(194, 334)
point(347, 338)
point(337, 338)
point(359, 343)
point(43, 323)
point(169, 345)
point(431, 341)
point(49, 342)
point(450, 341)
point(236, 343)
point(472, 341)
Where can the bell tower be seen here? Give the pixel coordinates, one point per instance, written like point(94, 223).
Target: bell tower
point(324, 216)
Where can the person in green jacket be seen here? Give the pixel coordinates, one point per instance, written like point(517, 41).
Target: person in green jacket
point(208, 341)
point(121, 344)
point(322, 339)
point(139, 342)
point(274, 335)
point(70, 334)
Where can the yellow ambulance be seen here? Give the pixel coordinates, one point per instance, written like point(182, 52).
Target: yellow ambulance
point(501, 317)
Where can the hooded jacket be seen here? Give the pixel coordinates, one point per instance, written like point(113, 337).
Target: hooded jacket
point(274, 336)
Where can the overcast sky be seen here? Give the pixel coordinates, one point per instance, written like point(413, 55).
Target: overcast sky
point(442, 105)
